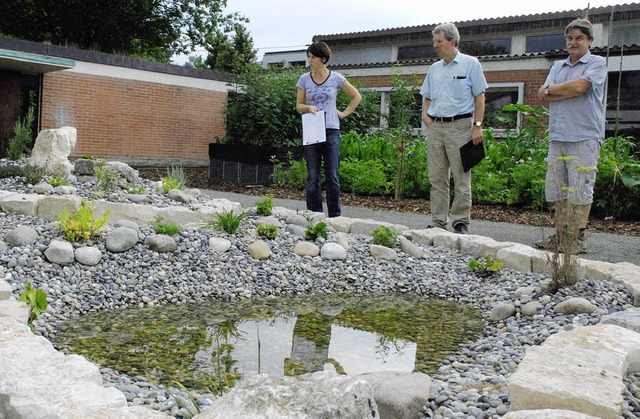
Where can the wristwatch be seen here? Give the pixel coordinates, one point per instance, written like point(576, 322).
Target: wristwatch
point(477, 123)
point(546, 90)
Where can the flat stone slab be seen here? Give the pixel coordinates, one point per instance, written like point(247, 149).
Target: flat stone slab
point(580, 370)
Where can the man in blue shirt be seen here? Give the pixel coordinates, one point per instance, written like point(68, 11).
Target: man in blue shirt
point(453, 108)
point(574, 90)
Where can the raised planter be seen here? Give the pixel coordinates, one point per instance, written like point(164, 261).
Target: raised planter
point(247, 163)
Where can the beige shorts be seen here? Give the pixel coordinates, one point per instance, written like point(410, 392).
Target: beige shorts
point(571, 171)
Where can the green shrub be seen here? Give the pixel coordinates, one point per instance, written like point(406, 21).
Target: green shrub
point(174, 180)
point(81, 226)
point(33, 174)
point(527, 184)
point(292, 176)
point(22, 137)
point(267, 230)
point(164, 227)
point(107, 178)
point(264, 207)
point(36, 299)
point(136, 189)
point(486, 268)
point(366, 177)
point(384, 236)
point(315, 231)
point(415, 176)
point(59, 181)
point(10, 170)
point(227, 221)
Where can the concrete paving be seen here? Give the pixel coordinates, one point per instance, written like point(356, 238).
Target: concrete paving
point(600, 246)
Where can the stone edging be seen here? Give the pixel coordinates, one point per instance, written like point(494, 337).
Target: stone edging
point(615, 347)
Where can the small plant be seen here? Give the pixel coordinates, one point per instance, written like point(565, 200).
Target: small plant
point(384, 236)
point(486, 268)
point(10, 170)
point(264, 206)
point(81, 226)
point(87, 157)
point(162, 227)
point(227, 221)
point(33, 174)
point(107, 178)
point(56, 181)
point(189, 408)
point(267, 230)
point(136, 189)
point(22, 136)
point(36, 299)
point(315, 231)
point(175, 179)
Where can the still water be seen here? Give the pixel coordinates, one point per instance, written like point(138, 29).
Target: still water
point(213, 344)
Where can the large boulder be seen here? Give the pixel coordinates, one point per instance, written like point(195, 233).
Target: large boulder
point(52, 149)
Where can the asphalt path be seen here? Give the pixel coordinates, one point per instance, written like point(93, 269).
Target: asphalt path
point(600, 246)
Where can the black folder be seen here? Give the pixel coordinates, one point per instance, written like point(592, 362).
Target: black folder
point(471, 154)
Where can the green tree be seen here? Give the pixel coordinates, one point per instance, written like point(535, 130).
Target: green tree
point(152, 29)
point(234, 53)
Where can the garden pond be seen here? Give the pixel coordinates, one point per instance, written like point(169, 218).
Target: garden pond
point(211, 345)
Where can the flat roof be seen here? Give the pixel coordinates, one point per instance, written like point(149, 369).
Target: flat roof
point(25, 62)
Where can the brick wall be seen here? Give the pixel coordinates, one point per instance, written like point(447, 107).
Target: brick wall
point(117, 117)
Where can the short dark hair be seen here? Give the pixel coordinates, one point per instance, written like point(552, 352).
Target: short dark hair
point(583, 25)
point(321, 50)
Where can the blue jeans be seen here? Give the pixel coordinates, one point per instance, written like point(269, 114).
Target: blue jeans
point(314, 155)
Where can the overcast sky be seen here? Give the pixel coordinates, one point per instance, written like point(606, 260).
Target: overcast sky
point(277, 25)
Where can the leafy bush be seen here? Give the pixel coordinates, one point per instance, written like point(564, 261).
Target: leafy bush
point(164, 227)
point(315, 231)
point(136, 189)
point(267, 230)
point(58, 181)
point(227, 221)
point(527, 184)
point(174, 180)
point(81, 226)
point(367, 177)
point(36, 299)
point(10, 170)
point(489, 185)
point(33, 174)
point(264, 206)
point(108, 178)
point(292, 176)
point(415, 177)
point(22, 136)
point(486, 268)
point(384, 236)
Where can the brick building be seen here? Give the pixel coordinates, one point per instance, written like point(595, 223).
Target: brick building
point(141, 112)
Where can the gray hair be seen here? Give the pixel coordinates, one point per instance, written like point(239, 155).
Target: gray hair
point(449, 30)
point(583, 25)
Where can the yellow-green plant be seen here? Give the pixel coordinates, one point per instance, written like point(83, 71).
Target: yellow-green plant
point(384, 236)
point(267, 230)
point(227, 221)
point(174, 180)
point(486, 268)
point(160, 226)
point(315, 231)
point(59, 181)
point(264, 206)
point(107, 178)
point(36, 299)
point(136, 189)
point(82, 225)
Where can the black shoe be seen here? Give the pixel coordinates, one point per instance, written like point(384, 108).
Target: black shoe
point(460, 228)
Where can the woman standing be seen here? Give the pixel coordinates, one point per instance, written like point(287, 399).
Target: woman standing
point(317, 91)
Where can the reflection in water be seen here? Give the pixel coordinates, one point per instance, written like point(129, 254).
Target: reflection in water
point(212, 346)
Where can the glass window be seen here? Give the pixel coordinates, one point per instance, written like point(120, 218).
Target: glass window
point(628, 121)
point(416, 52)
point(542, 43)
point(486, 47)
point(495, 99)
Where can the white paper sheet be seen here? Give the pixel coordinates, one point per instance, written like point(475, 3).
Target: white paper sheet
point(313, 128)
